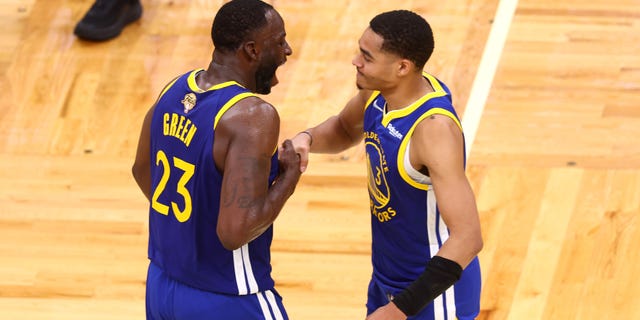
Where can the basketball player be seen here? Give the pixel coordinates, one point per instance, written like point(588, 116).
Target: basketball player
point(207, 160)
point(425, 225)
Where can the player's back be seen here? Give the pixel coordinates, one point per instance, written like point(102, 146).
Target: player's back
point(186, 193)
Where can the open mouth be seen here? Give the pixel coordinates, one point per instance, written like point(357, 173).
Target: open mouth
point(275, 80)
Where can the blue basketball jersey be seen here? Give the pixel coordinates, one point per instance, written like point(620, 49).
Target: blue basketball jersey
point(407, 228)
point(186, 185)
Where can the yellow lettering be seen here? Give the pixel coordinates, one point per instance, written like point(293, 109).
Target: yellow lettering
point(165, 124)
point(372, 135)
point(392, 213)
point(180, 127)
point(184, 131)
point(192, 132)
point(174, 123)
point(383, 216)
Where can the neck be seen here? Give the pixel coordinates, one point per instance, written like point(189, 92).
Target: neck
point(406, 92)
point(223, 68)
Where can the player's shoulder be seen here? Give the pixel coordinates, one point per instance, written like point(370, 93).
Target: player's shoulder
point(435, 125)
point(254, 109)
point(255, 103)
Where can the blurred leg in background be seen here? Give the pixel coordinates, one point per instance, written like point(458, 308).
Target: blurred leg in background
point(106, 19)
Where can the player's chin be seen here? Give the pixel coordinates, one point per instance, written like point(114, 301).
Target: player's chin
point(361, 83)
point(361, 79)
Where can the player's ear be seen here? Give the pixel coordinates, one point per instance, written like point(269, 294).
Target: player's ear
point(404, 67)
point(250, 49)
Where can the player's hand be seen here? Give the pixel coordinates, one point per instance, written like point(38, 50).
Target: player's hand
point(289, 160)
point(301, 145)
point(387, 312)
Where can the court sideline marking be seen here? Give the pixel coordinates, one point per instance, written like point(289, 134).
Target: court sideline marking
point(487, 70)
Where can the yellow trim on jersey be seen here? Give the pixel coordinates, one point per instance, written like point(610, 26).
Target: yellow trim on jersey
point(434, 82)
point(191, 81)
point(373, 96)
point(407, 138)
point(229, 104)
point(439, 92)
point(167, 87)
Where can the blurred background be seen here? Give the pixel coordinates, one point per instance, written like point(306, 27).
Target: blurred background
point(554, 160)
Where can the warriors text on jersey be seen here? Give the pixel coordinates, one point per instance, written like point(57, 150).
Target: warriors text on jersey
point(407, 228)
point(186, 194)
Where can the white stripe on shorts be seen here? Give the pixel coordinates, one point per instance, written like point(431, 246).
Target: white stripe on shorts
point(451, 303)
point(263, 306)
point(274, 305)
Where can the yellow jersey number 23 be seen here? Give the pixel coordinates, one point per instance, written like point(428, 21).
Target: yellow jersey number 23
point(187, 172)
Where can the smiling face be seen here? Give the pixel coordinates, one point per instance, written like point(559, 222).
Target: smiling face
point(274, 50)
point(376, 69)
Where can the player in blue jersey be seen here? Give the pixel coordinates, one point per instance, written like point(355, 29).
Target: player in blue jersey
point(425, 225)
point(208, 162)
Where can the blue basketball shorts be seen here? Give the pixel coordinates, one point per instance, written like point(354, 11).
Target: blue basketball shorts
point(167, 299)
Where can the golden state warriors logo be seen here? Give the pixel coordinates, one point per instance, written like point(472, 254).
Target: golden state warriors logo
point(189, 101)
point(379, 191)
point(378, 186)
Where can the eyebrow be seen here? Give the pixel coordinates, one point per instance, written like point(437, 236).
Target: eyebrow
point(366, 53)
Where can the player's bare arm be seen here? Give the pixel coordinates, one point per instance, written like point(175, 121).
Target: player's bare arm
point(142, 165)
point(337, 133)
point(246, 138)
point(437, 145)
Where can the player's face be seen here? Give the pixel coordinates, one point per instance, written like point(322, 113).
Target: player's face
point(375, 68)
point(275, 50)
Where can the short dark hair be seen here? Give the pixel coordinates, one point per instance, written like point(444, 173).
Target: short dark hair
point(405, 34)
point(236, 20)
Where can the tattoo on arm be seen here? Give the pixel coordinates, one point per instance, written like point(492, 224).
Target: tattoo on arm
point(247, 202)
point(240, 195)
point(230, 197)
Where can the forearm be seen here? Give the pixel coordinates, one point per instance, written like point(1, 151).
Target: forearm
point(440, 274)
point(461, 248)
point(442, 271)
point(248, 205)
point(332, 137)
point(276, 197)
point(460, 214)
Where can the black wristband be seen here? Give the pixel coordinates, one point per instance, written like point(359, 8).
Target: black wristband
point(437, 277)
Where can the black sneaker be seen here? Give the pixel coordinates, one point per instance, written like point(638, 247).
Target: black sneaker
point(106, 19)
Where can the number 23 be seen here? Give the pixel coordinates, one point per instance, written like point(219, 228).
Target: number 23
point(188, 169)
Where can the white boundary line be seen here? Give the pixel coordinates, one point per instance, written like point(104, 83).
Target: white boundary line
point(487, 69)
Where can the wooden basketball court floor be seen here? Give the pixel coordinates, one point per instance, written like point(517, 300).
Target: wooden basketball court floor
point(554, 163)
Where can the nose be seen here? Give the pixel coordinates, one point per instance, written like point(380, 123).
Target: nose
point(287, 49)
point(356, 61)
